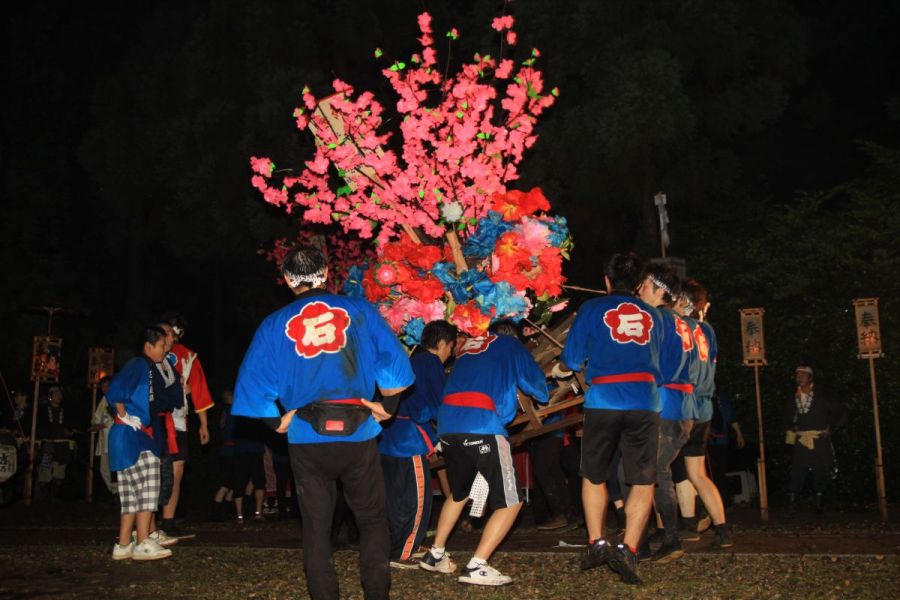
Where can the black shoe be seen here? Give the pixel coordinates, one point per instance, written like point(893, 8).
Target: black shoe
point(657, 538)
point(669, 551)
point(689, 534)
point(624, 562)
point(723, 536)
point(597, 554)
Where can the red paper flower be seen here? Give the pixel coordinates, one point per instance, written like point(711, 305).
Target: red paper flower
point(515, 204)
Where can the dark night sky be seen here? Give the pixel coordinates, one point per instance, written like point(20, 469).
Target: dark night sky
point(126, 131)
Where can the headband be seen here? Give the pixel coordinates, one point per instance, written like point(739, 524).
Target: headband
point(660, 284)
point(314, 280)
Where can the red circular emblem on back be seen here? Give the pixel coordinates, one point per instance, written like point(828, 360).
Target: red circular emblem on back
point(318, 328)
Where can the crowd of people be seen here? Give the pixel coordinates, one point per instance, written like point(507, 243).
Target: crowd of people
point(349, 417)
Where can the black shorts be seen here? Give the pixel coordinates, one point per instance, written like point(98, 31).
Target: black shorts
point(226, 471)
point(696, 444)
point(679, 471)
point(248, 467)
point(466, 455)
point(636, 432)
point(181, 438)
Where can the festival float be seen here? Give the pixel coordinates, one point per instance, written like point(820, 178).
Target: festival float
point(431, 223)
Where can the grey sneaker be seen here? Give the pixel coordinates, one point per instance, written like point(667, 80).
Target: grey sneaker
point(409, 563)
point(150, 549)
point(162, 538)
point(483, 575)
point(437, 565)
point(122, 552)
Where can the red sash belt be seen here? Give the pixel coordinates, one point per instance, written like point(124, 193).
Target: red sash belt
point(146, 429)
point(624, 378)
point(171, 441)
point(349, 401)
point(687, 388)
point(471, 400)
point(425, 437)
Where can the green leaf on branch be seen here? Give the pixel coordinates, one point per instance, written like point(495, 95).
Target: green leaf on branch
point(378, 53)
point(344, 190)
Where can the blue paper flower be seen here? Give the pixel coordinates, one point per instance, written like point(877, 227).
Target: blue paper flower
point(489, 228)
point(412, 332)
point(502, 297)
point(353, 284)
point(559, 231)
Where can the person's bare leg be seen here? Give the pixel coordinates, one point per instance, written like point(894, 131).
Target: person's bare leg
point(444, 482)
point(594, 497)
point(221, 493)
point(687, 495)
point(239, 506)
point(143, 525)
point(637, 512)
point(177, 472)
point(260, 498)
point(450, 512)
point(126, 526)
point(496, 528)
point(706, 489)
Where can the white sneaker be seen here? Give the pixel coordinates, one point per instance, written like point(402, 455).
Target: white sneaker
point(437, 565)
point(483, 575)
point(163, 539)
point(150, 549)
point(122, 552)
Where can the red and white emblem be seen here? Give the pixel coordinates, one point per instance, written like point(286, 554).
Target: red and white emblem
point(684, 330)
point(476, 345)
point(702, 343)
point(318, 328)
point(628, 324)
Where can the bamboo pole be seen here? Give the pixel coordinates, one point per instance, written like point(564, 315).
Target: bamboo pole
point(879, 461)
point(584, 289)
point(761, 461)
point(456, 249)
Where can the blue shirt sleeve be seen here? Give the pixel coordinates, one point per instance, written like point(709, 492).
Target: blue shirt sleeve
point(574, 352)
point(256, 390)
point(531, 378)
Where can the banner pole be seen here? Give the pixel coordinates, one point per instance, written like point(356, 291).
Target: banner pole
point(29, 475)
point(761, 461)
point(89, 490)
point(879, 461)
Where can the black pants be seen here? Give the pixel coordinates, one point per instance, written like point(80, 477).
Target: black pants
point(317, 467)
point(408, 487)
point(548, 474)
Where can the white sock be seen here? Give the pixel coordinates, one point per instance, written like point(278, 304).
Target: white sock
point(476, 562)
point(438, 551)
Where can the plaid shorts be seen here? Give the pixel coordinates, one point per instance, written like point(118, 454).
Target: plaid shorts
point(139, 485)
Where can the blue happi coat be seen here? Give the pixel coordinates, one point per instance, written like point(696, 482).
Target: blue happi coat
point(678, 365)
point(404, 435)
point(494, 367)
point(707, 352)
point(131, 387)
point(319, 347)
point(619, 337)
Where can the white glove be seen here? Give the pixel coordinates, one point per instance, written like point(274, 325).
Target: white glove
point(559, 373)
point(132, 421)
